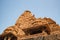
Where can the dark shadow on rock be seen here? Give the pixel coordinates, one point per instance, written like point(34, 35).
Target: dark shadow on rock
point(7, 36)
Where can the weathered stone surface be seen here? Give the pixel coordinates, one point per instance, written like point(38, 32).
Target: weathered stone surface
point(27, 27)
point(25, 20)
point(14, 30)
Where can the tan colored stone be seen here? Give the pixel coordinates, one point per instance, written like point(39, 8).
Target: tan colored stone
point(27, 27)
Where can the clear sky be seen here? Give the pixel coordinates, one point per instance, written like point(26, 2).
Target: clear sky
point(10, 10)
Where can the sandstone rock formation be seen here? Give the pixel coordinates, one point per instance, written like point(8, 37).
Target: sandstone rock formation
point(27, 27)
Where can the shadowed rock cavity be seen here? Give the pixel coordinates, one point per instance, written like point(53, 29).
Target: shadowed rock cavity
point(37, 29)
point(8, 36)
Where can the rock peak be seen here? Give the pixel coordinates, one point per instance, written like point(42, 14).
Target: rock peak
point(32, 28)
point(28, 11)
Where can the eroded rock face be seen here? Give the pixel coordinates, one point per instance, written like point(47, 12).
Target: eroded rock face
point(27, 27)
point(37, 29)
point(8, 36)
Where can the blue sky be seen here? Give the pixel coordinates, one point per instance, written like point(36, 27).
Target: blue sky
point(10, 10)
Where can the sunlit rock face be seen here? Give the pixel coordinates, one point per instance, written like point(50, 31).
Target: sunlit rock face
point(28, 27)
